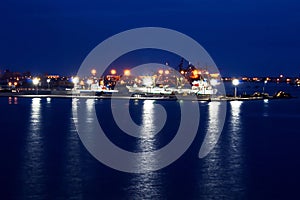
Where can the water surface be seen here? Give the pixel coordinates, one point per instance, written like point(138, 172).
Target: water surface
point(257, 155)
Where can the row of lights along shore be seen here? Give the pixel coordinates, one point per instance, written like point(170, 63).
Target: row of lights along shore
point(113, 72)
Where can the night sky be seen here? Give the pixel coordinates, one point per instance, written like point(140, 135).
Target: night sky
point(244, 37)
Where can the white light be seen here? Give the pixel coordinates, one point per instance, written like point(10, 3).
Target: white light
point(213, 82)
point(235, 82)
point(147, 81)
point(35, 81)
point(48, 80)
point(75, 80)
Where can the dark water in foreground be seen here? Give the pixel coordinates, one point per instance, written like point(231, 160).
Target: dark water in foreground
point(256, 157)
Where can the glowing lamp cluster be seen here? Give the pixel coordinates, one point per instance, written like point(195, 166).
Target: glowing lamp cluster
point(235, 82)
point(195, 72)
point(93, 72)
point(113, 72)
point(126, 72)
point(161, 72)
point(75, 80)
point(213, 82)
point(35, 81)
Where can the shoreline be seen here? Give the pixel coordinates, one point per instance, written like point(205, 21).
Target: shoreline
point(165, 98)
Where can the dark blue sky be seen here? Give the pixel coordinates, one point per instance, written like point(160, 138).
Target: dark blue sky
point(243, 37)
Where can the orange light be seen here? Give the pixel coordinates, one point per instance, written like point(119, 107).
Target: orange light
point(127, 72)
point(93, 72)
point(113, 71)
point(15, 83)
point(9, 83)
point(53, 76)
point(167, 72)
point(215, 75)
point(195, 72)
point(181, 72)
point(160, 71)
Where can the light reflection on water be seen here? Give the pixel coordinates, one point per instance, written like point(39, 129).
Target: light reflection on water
point(147, 131)
point(148, 128)
point(236, 159)
point(222, 170)
point(9, 100)
point(220, 175)
point(139, 186)
point(147, 185)
point(34, 174)
point(211, 174)
point(90, 103)
point(12, 100)
point(266, 108)
point(235, 124)
point(222, 167)
point(214, 127)
point(72, 180)
point(235, 115)
point(48, 100)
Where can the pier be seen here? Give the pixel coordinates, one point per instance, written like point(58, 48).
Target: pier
point(149, 97)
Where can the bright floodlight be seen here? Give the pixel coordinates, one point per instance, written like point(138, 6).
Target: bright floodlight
point(93, 72)
point(235, 82)
point(195, 72)
point(48, 80)
point(35, 81)
point(75, 80)
point(127, 72)
point(213, 82)
point(113, 71)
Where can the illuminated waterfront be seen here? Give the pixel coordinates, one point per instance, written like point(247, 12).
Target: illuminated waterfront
point(256, 155)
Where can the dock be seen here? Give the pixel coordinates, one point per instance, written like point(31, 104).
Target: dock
point(145, 97)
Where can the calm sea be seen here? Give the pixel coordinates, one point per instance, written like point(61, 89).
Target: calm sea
point(256, 157)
